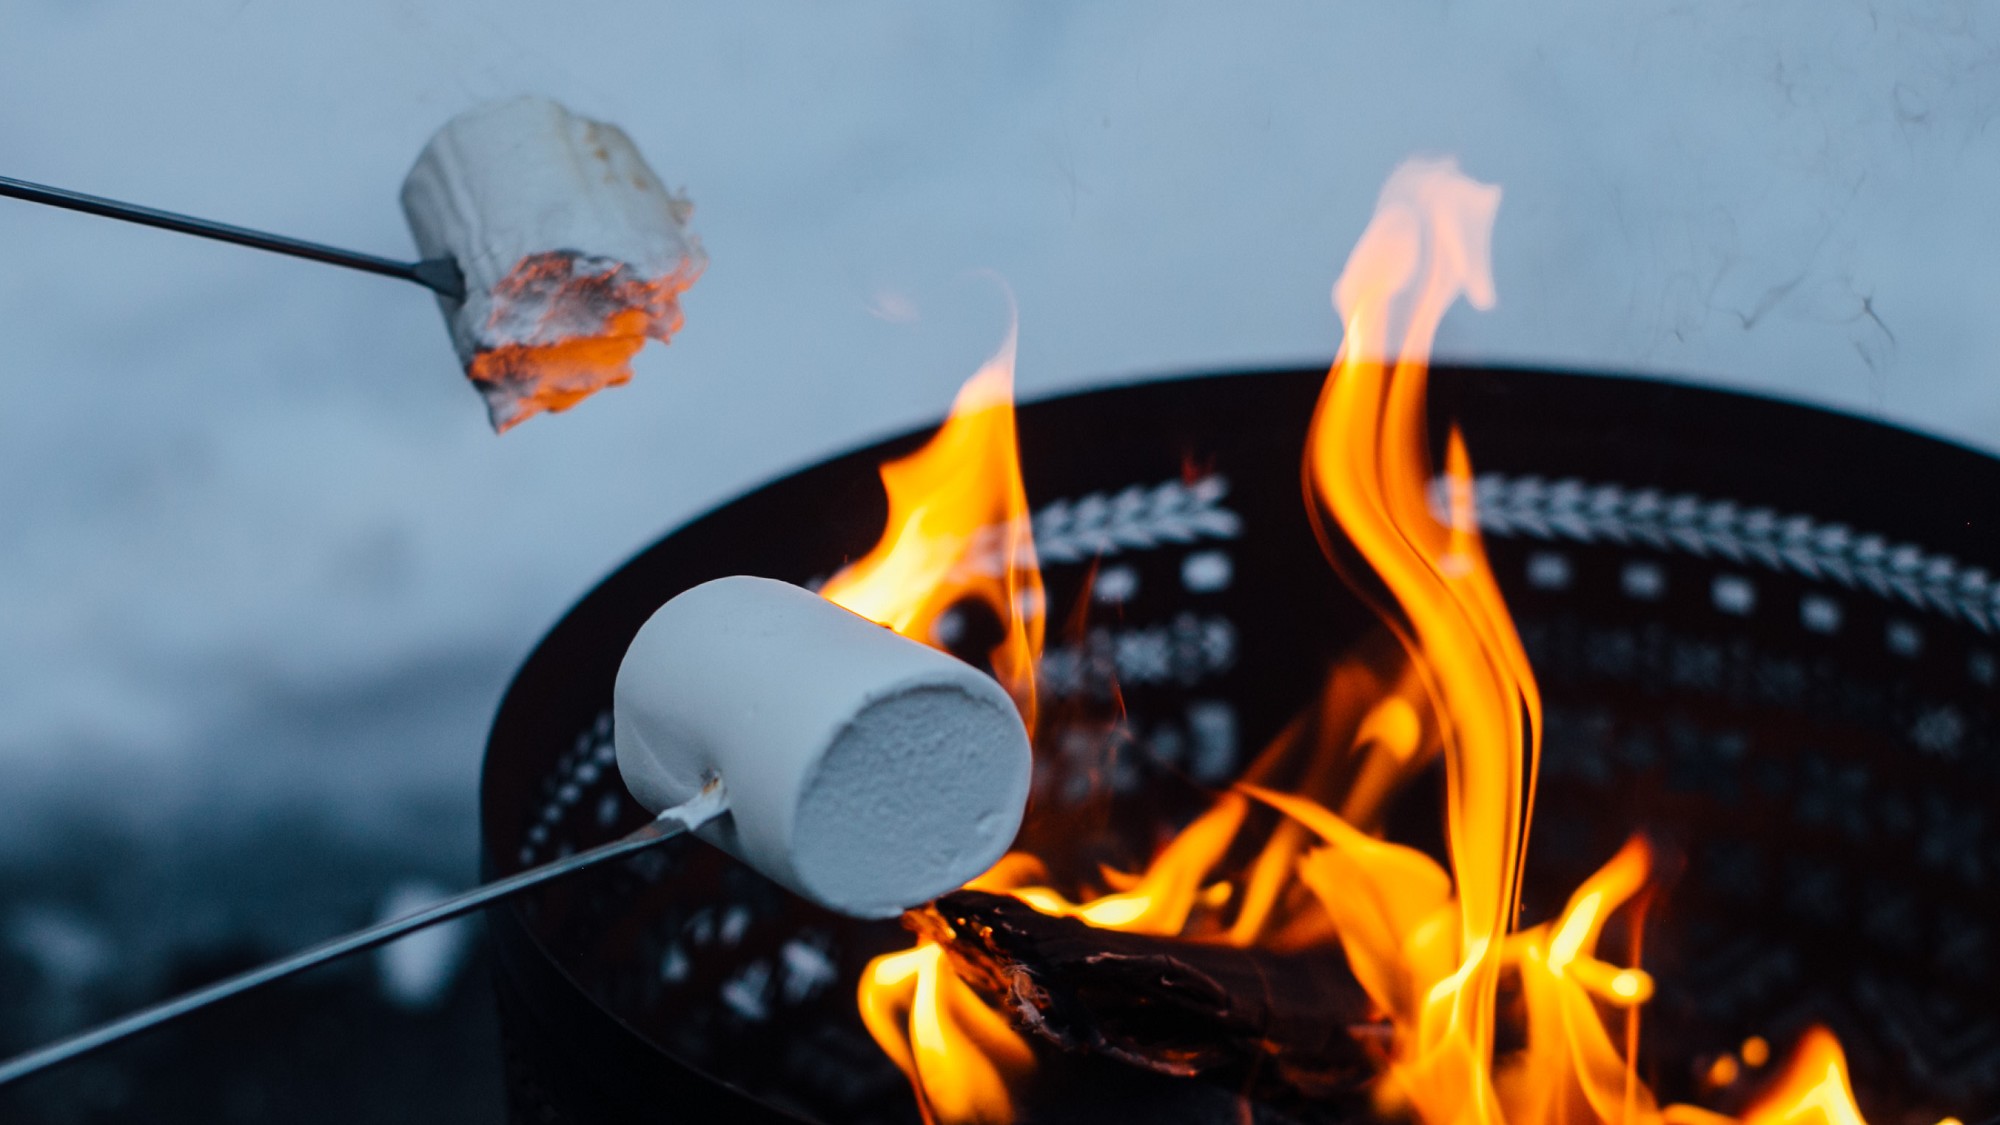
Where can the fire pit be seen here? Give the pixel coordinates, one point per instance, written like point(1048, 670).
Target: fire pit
point(1763, 634)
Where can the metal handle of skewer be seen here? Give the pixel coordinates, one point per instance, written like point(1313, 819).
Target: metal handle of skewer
point(676, 821)
point(440, 275)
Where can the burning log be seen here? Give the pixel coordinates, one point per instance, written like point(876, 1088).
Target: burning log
point(1279, 1022)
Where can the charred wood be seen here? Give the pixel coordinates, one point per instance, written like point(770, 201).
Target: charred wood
point(1295, 1023)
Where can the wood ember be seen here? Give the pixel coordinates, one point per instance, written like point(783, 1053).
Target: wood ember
point(1297, 1023)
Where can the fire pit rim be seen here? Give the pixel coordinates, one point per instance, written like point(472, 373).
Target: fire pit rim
point(705, 523)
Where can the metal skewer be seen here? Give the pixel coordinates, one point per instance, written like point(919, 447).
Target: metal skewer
point(706, 806)
point(440, 275)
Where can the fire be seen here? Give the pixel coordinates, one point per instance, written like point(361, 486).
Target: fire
point(1433, 945)
point(1368, 464)
point(958, 528)
point(957, 1051)
point(1573, 1069)
point(1813, 1090)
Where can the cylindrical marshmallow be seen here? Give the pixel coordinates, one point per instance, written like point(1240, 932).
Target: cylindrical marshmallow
point(573, 251)
point(862, 769)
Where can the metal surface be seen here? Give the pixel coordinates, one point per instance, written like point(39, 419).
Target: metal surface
point(1764, 632)
point(707, 805)
point(440, 275)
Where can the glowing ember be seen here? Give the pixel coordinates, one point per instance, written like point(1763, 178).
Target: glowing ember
point(1431, 944)
point(1812, 1091)
point(572, 327)
point(572, 251)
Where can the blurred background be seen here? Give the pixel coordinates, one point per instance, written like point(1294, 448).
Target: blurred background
point(265, 571)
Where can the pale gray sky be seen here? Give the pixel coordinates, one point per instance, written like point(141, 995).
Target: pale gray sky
point(255, 527)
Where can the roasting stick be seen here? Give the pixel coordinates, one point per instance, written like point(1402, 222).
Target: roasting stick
point(440, 275)
point(706, 805)
point(865, 771)
point(554, 249)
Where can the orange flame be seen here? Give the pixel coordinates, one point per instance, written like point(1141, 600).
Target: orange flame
point(1572, 1069)
point(957, 1052)
point(1813, 1090)
point(1431, 948)
point(1368, 462)
point(1430, 945)
point(958, 528)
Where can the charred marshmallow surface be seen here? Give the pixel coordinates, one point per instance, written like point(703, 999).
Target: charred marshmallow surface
point(863, 770)
point(573, 252)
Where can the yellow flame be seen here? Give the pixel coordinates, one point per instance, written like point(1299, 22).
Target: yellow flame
point(1368, 738)
point(1429, 943)
point(1159, 901)
point(1572, 1068)
point(958, 528)
point(957, 1052)
point(1368, 464)
point(1813, 1090)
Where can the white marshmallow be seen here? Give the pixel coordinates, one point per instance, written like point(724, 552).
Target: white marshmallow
point(862, 770)
point(573, 251)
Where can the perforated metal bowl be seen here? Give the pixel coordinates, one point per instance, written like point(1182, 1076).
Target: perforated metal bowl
point(1764, 633)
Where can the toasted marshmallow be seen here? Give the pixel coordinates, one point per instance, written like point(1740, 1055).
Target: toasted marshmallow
point(572, 251)
point(863, 770)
